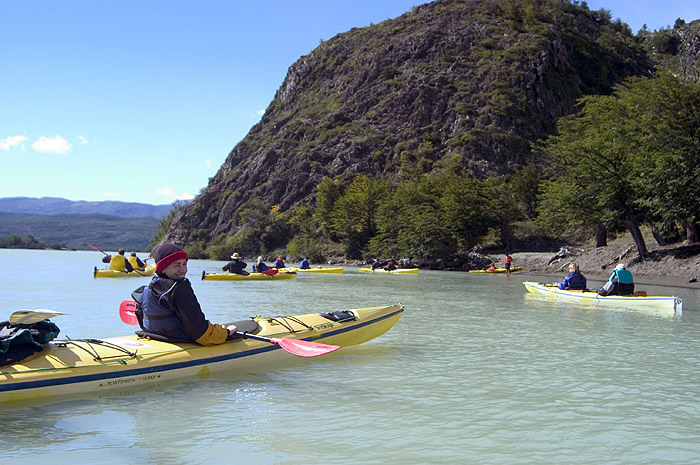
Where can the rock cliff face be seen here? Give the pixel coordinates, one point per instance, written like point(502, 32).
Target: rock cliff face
point(471, 82)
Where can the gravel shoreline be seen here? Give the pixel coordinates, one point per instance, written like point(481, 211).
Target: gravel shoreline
point(666, 266)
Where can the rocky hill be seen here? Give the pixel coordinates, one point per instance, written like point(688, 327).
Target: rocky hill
point(467, 82)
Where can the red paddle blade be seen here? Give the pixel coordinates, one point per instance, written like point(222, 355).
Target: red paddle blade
point(303, 348)
point(126, 312)
point(271, 272)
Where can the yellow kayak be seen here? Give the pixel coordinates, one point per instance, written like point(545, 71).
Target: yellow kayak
point(396, 271)
point(148, 271)
point(498, 270)
point(84, 366)
point(248, 277)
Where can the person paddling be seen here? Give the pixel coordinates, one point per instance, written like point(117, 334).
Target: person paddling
point(236, 265)
point(620, 282)
point(260, 266)
point(136, 262)
point(120, 263)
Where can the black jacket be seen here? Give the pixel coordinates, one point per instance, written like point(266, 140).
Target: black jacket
point(183, 302)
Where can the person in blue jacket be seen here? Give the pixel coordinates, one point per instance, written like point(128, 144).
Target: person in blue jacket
point(304, 264)
point(620, 282)
point(260, 266)
point(574, 280)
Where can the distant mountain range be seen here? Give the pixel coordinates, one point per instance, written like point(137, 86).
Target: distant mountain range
point(109, 225)
point(57, 206)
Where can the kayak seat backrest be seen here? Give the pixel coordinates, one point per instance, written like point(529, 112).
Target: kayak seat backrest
point(340, 315)
point(245, 326)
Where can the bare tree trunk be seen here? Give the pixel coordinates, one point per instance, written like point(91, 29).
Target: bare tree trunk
point(601, 236)
point(660, 239)
point(671, 233)
point(692, 232)
point(633, 226)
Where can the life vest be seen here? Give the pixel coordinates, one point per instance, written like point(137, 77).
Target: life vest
point(158, 317)
point(135, 263)
point(624, 276)
point(117, 262)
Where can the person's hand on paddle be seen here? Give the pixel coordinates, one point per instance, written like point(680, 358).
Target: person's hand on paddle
point(231, 330)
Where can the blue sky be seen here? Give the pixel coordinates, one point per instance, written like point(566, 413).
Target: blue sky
point(142, 100)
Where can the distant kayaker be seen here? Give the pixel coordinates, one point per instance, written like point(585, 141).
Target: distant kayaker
point(304, 264)
point(491, 268)
point(260, 266)
point(376, 264)
point(169, 305)
point(136, 262)
point(236, 265)
point(390, 266)
point(507, 261)
point(620, 282)
point(279, 263)
point(119, 262)
point(574, 280)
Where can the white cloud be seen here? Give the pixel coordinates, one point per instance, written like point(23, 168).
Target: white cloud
point(258, 113)
point(110, 194)
point(12, 141)
point(208, 163)
point(170, 194)
point(52, 145)
point(82, 140)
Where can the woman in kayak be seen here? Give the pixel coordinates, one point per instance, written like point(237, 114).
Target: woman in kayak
point(260, 266)
point(169, 305)
point(574, 280)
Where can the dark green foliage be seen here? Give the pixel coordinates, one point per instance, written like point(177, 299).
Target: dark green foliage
point(27, 242)
point(628, 158)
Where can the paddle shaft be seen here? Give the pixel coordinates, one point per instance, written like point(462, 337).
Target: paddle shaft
point(253, 336)
point(97, 249)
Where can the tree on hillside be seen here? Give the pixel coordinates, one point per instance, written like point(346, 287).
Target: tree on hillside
point(665, 114)
point(594, 158)
point(628, 157)
point(354, 213)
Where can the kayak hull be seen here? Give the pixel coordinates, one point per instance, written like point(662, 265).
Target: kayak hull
point(671, 303)
point(149, 270)
point(396, 271)
point(249, 277)
point(498, 270)
point(93, 366)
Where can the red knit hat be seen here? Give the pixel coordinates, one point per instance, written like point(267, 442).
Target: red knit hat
point(165, 254)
